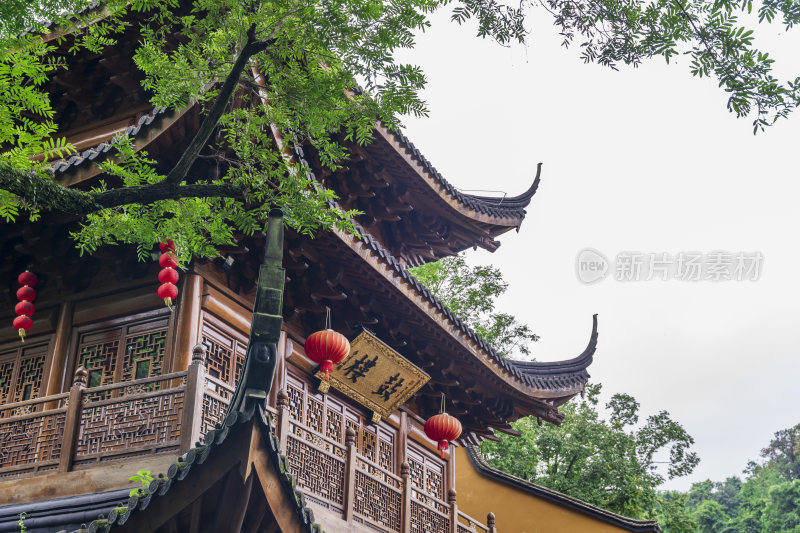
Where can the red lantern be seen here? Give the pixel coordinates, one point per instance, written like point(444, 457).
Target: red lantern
point(168, 275)
point(28, 278)
point(443, 429)
point(168, 292)
point(26, 293)
point(327, 347)
point(167, 260)
point(24, 309)
point(22, 324)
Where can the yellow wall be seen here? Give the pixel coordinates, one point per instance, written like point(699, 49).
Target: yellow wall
point(517, 511)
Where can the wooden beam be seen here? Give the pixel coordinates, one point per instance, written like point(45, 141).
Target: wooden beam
point(231, 509)
point(196, 513)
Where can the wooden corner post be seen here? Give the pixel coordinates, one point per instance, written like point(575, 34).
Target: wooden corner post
point(283, 420)
point(405, 474)
point(490, 523)
point(192, 419)
point(451, 499)
point(350, 473)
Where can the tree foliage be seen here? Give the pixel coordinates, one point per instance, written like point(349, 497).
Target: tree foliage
point(265, 66)
point(615, 463)
point(766, 501)
point(471, 293)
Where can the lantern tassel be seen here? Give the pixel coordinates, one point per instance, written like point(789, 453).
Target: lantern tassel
point(326, 367)
point(168, 303)
point(21, 335)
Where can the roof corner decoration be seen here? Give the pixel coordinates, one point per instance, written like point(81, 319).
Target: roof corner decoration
point(571, 372)
point(265, 329)
point(496, 211)
point(520, 201)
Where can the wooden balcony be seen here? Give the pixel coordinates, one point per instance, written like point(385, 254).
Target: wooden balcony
point(167, 414)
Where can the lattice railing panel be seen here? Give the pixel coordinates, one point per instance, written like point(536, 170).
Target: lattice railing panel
point(378, 473)
point(377, 501)
point(214, 409)
point(316, 471)
point(467, 524)
point(115, 426)
point(427, 520)
point(32, 440)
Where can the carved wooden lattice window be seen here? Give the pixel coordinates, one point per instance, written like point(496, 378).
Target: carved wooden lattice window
point(427, 470)
point(21, 368)
point(133, 349)
point(225, 351)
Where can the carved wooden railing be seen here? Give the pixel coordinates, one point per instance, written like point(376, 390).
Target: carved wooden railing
point(92, 425)
point(171, 412)
point(334, 476)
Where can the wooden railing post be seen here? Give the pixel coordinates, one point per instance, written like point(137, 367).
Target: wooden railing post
point(72, 422)
point(350, 473)
point(192, 420)
point(490, 523)
point(451, 499)
point(405, 474)
point(283, 419)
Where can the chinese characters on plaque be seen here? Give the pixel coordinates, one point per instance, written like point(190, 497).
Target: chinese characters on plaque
point(375, 376)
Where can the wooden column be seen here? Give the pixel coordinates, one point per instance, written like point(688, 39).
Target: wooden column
point(56, 360)
point(192, 419)
point(350, 474)
point(72, 422)
point(405, 473)
point(187, 331)
point(402, 439)
point(451, 467)
point(451, 499)
point(490, 523)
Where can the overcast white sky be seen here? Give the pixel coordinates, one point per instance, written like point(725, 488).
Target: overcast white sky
point(647, 160)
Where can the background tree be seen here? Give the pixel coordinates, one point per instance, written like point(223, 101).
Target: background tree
point(614, 463)
point(767, 500)
point(471, 293)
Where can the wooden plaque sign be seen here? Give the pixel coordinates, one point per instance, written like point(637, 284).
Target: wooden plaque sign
point(375, 376)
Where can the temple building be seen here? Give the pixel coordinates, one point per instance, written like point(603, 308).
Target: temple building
point(220, 403)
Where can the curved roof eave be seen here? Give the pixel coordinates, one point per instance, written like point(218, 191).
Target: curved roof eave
point(498, 211)
point(576, 364)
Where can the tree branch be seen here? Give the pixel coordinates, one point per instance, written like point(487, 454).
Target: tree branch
point(163, 191)
point(251, 47)
point(45, 193)
point(48, 195)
